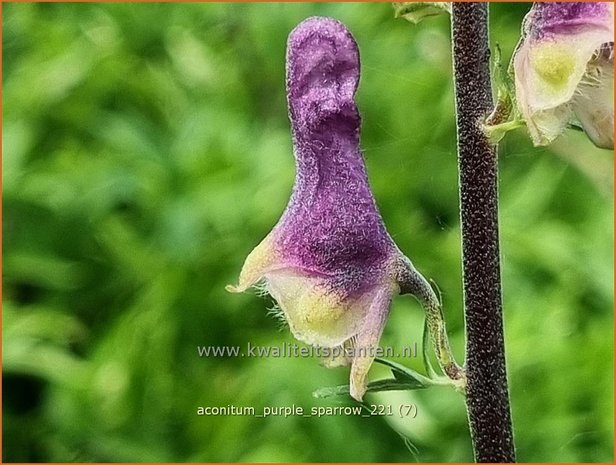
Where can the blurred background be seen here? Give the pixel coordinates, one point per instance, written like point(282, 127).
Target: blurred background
point(146, 151)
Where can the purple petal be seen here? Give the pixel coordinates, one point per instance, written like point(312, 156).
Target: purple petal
point(548, 18)
point(331, 224)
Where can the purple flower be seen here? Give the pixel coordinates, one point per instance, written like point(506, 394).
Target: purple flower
point(329, 262)
point(564, 70)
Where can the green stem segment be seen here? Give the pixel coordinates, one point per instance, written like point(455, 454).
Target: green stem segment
point(487, 396)
point(438, 334)
point(412, 282)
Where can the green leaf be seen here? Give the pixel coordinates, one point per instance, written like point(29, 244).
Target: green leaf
point(404, 379)
point(404, 374)
point(389, 384)
point(325, 392)
point(416, 11)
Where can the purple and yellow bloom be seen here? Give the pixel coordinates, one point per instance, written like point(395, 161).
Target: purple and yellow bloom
point(329, 262)
point(564, 70)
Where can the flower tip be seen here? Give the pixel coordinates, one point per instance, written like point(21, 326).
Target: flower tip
point(255, 266)
point(322, 70)
point(357, 391)
point(233, 289)
point(320, 40)
point(320, 26)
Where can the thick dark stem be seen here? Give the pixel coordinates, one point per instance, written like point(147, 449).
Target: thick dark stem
point(487, 397)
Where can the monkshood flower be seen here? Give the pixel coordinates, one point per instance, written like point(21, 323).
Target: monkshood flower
point(564, 70)
point(329, 262)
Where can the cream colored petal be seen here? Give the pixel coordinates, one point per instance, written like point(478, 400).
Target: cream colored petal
point(593, 104)
point(546, 125)
point(262, 258)
point(338, 356)
point(547, 74)
point(318, 313)
point(367, 340)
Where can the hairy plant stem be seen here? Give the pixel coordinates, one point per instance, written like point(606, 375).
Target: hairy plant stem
point(487, 398)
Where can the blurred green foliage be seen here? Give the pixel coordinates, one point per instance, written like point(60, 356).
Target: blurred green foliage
point(146, 150)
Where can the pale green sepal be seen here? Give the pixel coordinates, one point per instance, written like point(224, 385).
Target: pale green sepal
point(505, 88)
point(497, 131)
